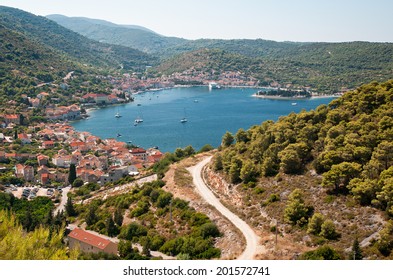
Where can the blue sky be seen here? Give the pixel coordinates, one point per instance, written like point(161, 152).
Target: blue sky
point(279, 20)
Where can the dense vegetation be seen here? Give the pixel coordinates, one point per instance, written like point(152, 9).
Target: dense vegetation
point(156, 220)
point(47, 32)
point(349, 142)
point(325, 67)
point(40, 244)
point(32, 214)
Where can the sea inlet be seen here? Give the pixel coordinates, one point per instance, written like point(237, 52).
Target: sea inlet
point(179, 117)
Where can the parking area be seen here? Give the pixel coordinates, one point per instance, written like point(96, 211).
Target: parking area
point(32, 192)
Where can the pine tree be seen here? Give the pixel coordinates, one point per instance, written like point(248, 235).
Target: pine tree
point(356, 252)
point(227, 139)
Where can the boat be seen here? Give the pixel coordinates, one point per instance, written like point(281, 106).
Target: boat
point(214, 86)
point(138, 120)
point(184, 119)
point(118, 135)
point(118, 115)
point(196, 101)
point(139, 104)
point(293, 103)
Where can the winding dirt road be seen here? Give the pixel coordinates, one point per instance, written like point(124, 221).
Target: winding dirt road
point(252, 239)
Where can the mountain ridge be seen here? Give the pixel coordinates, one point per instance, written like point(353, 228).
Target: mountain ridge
point(139, 38)
point(47, 32)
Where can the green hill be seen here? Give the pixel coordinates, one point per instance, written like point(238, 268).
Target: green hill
point(133, 36)
point(48, 33)
point(349, 143)
point(324, 67)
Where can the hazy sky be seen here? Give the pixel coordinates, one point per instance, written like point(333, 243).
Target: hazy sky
point(279, 20)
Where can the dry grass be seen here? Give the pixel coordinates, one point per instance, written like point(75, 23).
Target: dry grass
point(179, 183)
point(257, 208)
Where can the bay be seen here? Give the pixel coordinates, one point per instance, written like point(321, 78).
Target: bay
point(209, 115)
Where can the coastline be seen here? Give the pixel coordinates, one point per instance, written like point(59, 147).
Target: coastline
point(294, 98)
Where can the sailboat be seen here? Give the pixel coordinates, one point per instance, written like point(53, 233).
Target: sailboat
point(117, 115)
point(184, 119)
point(138, 120)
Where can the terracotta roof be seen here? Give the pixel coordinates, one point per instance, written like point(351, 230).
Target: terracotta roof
point(89, 238)
point(138, 151)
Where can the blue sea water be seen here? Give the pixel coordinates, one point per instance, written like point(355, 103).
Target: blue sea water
point(209, 113)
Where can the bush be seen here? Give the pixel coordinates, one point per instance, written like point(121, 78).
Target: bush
point(133, 230)
point(328, 230)
point(296, 211)
point(323, 253)
point(164, 199)
point(209, 230)
point(315, 224)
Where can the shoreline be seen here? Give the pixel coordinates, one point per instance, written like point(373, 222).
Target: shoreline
point(272, 97)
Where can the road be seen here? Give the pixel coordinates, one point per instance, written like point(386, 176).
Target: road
point(63, 200)
point(252, 240)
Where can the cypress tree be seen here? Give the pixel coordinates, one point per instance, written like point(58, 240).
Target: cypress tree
point(72, 173)
point(70, 208)
point(118, 217)
point(356, 252)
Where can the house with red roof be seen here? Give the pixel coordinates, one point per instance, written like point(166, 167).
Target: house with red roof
point(24, 138)
point(12, 118)
point(42, 159)
point(24, 171)
point(139, 153)
point(49, 144)
point(90, 243)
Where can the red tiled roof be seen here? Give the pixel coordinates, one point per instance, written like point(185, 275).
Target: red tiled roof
point(138, 151)
point(89, 238)
point(12, 116)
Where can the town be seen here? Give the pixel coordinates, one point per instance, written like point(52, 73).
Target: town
point(57, 146)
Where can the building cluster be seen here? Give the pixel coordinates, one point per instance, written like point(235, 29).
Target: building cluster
point(97, 161)
point(132, 83)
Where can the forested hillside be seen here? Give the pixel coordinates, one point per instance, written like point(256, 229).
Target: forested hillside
point(44, 31)
point(325, 68)
point(349, 143)
point(130, 36)
point(25, 63)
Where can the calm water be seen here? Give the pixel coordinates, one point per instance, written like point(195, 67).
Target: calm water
point(209, 113)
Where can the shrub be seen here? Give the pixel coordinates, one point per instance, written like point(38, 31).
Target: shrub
point(323, 253)
point(328, 230)
point(209, 230)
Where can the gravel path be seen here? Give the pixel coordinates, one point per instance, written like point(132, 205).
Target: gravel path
point(252, 239)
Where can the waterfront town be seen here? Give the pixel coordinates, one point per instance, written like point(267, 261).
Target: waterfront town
point(43, 151)
point(56, 146)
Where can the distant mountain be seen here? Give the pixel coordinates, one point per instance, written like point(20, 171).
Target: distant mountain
point(50, 34)
point(132, 36)
point(60, 18)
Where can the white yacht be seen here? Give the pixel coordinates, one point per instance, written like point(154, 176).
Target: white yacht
point(214, 86)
